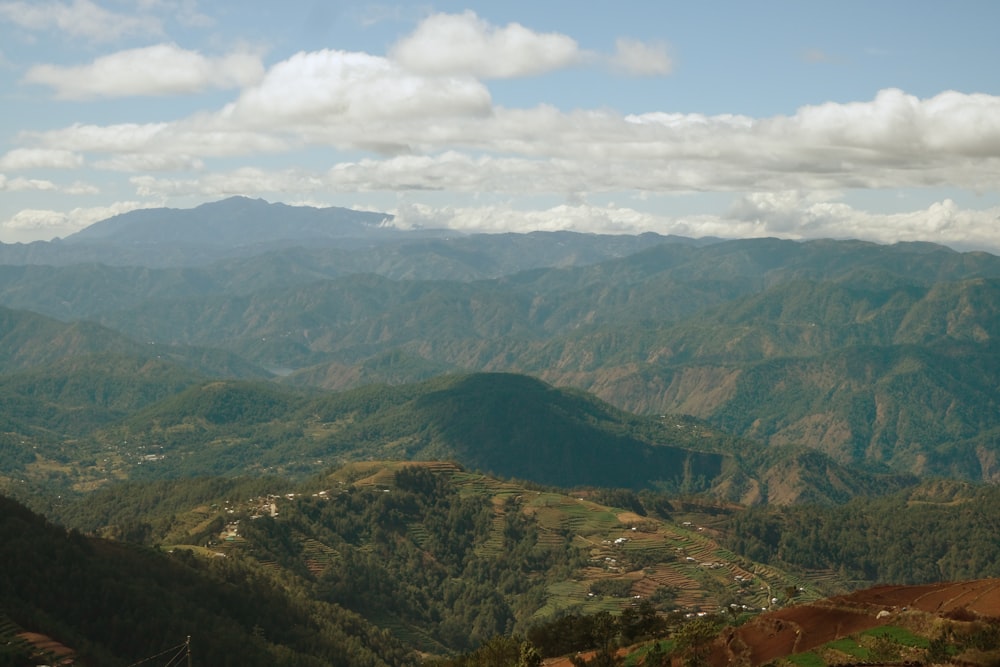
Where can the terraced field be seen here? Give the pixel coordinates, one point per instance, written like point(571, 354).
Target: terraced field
point(650, 554)
point(318, 557)
point(679, 565)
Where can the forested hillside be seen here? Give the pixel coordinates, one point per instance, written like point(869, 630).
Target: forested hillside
point(846, 347)
point(367, 559)
point(77, 427)
point(334, 442)
point(367, 563)
point(940, 531)
point(116, 603)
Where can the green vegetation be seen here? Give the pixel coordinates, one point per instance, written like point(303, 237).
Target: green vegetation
point(116, 604)
point(936, 532)
point(901, 636)
point(436, 558)
point(815, 383)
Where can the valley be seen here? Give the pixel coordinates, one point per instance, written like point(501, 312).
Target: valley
point(414, 449)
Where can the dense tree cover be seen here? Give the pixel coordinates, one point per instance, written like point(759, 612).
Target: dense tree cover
point(417, 554)
point(938, 532)
point(510, 425)
point(498, 651)
point(435, 563)
point(568, 635)
point(581, 632)
point(789, 343)
point(156, 503)
point(116, 604)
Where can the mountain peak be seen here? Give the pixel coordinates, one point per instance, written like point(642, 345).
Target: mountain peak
point(235, 222)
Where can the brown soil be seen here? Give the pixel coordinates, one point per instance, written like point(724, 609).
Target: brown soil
point(804, 627)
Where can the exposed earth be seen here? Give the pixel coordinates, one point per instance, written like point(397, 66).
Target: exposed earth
point(800, 628)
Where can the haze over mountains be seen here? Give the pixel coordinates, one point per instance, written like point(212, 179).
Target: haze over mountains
point(881, 355)
point(807, 400)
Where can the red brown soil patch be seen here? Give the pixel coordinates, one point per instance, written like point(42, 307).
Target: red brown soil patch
point(981, 596)
point(804, 627)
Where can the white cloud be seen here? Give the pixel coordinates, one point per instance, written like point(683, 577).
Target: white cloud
point(489, 219)
point(124, 137)
point(21, 184)
point(464, 44)
point(443, 133)
point(349, 89)
point(135, 162)
point(79, 18)
point(167, 144)
point(163, 69)
point(943, 222)
point(32, 224)
point(81, 188)
point(797, 215)
point(40, 158)
point(641, 58)
point(243, 181)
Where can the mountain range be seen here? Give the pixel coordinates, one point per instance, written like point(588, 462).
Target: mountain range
point(871, 354)
point(305, 436)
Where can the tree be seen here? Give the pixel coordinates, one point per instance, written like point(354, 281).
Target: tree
point(656, 656)
point(694, 639)
point(530, 657)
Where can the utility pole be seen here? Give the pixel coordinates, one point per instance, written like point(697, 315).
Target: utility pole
point(188, 644)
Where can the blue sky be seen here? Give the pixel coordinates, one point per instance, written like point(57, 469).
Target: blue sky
point(873, 120)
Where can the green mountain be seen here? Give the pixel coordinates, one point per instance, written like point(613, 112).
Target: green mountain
point(114, 603)
point(30, 342)
point(881, 355)
point(233, 233)
point(375, 557)
point(78, 430)
point(510, 425)
point(374, 561)
point(937, 531)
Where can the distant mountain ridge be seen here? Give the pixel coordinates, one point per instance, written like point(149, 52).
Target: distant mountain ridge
point(872, 354)
point(235, 222)
point(240, 229)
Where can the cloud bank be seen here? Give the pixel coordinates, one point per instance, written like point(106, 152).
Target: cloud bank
point(162, 69)
point(421, 119)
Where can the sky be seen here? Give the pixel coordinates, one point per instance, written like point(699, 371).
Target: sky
point(877, 120)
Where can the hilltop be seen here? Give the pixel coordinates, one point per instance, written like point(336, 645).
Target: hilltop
point(876, 625)
point(426, 556)
point(389, 558)
point(84, 423)
point(877, 356)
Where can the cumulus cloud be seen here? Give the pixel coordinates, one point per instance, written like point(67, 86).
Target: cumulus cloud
point(578, 217)
point(361, 102)
point(942, 222)
point(243, 181)
point(135, 162)
point(641, 58)
point(162, 69)
point(793, 214)
point(30, 224)
point(20, 184)
point(78, 18)
point(799, 215)
point(464, 44)
point(40, 158)
point(335, 86)
point(81, 188)
point(166, 144)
